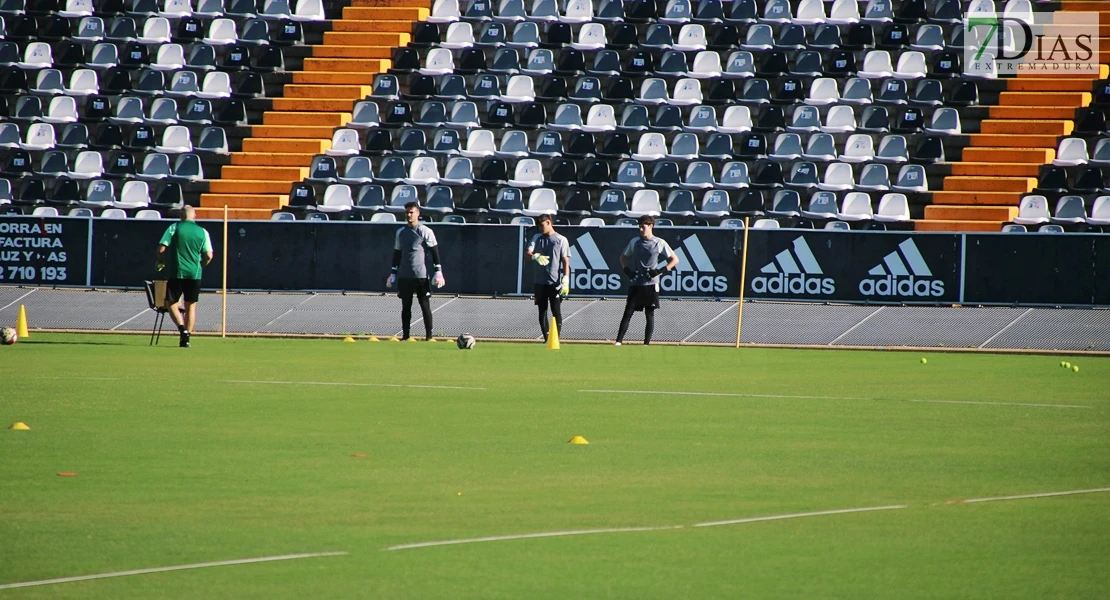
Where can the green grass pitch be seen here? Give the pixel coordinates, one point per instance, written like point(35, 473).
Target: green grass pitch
point(179, 461)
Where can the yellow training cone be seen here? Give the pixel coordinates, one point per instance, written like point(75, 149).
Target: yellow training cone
point(21, 324)
point(394, 339)
point(578, 440)
point(349, 339)
point(373, 338)
point(20, 426)
point(412, 339)
point(431, 339)
point(553, 336)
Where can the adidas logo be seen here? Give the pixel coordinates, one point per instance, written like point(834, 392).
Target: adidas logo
point(690, 274)
point(902, 273)
point(590, 270)
point(585, 262)
point(793, 272)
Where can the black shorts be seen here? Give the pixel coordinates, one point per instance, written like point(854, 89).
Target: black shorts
point(410, 286)
point(546, 293)
point(176, 288)
point(643, 296)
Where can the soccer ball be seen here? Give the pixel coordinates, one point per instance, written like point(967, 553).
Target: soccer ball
point(465, 341)
point(9, 337)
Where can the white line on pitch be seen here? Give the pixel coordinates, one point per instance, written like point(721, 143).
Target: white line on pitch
point(525, 536)
point(725, 394)
point(222, 563)
point(388, 385)
point(799, 515)
point(793, 397)
point(1042, 495)
point(1001, 403)
point(66, 378)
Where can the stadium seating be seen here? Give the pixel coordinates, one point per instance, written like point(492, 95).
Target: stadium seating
point(860, 106)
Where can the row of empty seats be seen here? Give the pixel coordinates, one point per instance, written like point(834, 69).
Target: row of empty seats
point(174, 139)
point(302, 10)
point(810, 12)
point(686, 91)
point(1069, 210)
point(107, 213)
point(95, 194)
point(840, 119)
point(530, 172)
point(677, 204)
point(705, 64)
point(110, 58)
point(86, 82)
point(649, 147)
point(90, 164)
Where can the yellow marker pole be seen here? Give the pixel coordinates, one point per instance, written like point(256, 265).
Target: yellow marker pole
point(223, 319)
point(743, 279)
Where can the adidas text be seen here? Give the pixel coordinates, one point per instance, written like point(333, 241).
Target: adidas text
point(590, 280)
point(901, 286)
point(793, 284)
point(692, 282)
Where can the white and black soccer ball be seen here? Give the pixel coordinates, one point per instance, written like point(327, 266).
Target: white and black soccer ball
point(465, 341)
point(8, 336)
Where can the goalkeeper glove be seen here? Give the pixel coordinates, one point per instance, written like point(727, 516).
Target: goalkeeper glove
point(629, 273)
point(438, 280)
point(564, 286)
point(541, 260)
point(160, 265)
point(653, 273)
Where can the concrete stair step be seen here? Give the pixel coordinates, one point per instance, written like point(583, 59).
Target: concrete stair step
point(361, 13)
point(1066, 29)
point(233, 201)
point(272, 159)
point(248, 186)
point(352, 52)
point(332, 119)
point(1038, 156)
point(258, 173)
point(292, 131)
point(996, 169)
point(1048, 85)
point(1032, 112)
point(390, 3)
point(1057, 99)
point(347, 65)
point(327, 91)
point(970, 213)
point(957, 225)
point(360, 38)
point(1085, 5)
point(236, 214)
point(313, 104)
point(1021, 126)
point(1013, 140)
point(1103, 73)
point(333, 78)
point(398, 26)
point(286, 145)
point(961, 183)
point(977, 198)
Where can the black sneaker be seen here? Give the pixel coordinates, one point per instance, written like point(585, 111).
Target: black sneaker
point(184, 343)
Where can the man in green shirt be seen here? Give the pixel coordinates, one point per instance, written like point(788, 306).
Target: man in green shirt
point(185, 248)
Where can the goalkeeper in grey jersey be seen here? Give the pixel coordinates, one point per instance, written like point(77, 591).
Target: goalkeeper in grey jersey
point(410, 271)
point(551, 254)
point(642, 264)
